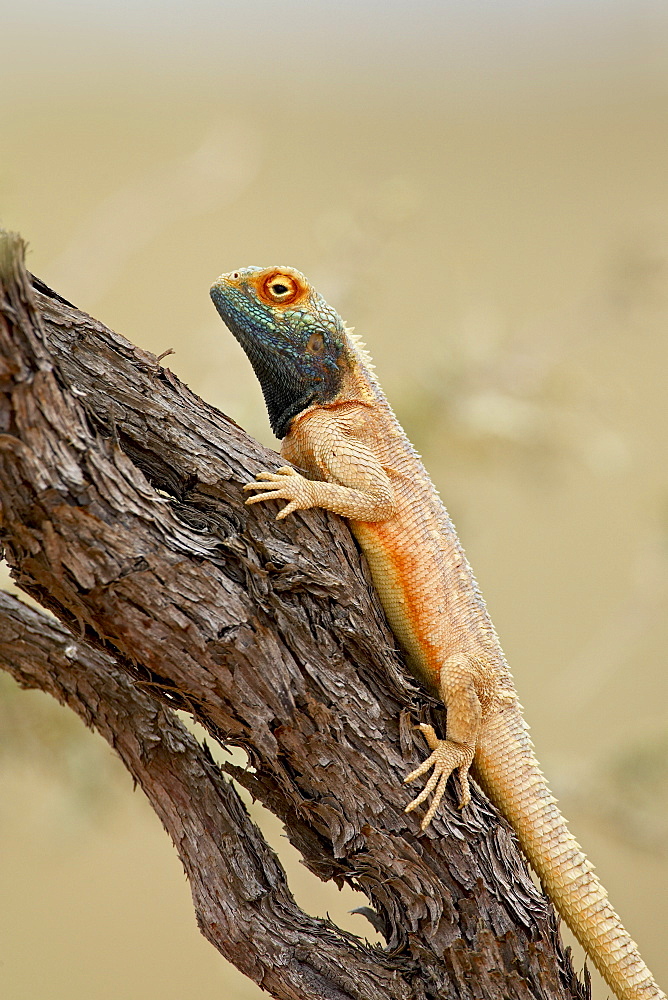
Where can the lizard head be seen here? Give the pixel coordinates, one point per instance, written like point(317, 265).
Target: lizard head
point(295, 342)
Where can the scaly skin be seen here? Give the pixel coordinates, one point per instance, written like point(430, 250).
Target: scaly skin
point(340, 430)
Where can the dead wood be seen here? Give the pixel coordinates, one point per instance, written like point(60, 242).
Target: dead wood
point(122, 513)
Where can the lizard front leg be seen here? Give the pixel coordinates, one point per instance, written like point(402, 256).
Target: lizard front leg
point(465, 687)
point(350, 479)
point(302, 493)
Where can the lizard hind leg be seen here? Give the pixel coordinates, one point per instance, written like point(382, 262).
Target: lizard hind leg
point(462, 689)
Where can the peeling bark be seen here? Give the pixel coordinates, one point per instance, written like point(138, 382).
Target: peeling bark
point(122, 513)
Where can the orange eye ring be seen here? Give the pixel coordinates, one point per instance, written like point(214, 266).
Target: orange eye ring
point(279, 288)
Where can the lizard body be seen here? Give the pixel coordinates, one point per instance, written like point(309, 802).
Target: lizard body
point(324, 401)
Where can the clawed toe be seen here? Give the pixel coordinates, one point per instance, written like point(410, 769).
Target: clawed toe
point(429, 734)
point(446, 757)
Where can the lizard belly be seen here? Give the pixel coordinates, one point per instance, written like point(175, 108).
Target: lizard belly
point(406, 576)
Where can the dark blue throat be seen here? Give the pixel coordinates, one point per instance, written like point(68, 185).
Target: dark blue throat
point(286, 392)
point(291, 378)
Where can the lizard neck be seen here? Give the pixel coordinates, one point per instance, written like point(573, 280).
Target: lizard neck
point(357, 386)
point(358, 380)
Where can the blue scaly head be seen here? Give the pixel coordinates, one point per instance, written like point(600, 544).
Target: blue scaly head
point(295, 342)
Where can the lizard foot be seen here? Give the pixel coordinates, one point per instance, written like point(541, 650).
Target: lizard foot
point(446, 757)
point(286, 484)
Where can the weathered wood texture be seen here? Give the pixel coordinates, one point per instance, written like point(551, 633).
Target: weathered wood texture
point(245, 909)
point(122, 513)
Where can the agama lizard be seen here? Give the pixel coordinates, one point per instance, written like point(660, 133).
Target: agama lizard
point(324, 401)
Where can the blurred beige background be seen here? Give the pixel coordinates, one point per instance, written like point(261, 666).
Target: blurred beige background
point(481, 189)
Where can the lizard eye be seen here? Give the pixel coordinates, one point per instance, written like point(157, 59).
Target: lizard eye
point(280, 288)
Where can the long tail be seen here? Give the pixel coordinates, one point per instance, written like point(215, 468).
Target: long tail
point(508, 771)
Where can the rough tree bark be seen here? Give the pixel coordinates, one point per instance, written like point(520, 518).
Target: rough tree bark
point(122, 513)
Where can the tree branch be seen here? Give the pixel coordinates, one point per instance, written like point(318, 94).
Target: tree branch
point(242, 901)
point(123, 514)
